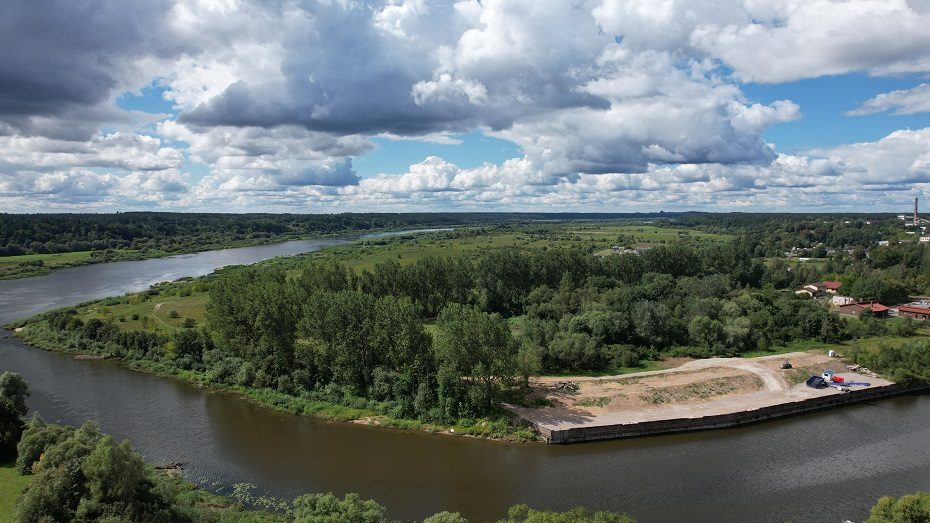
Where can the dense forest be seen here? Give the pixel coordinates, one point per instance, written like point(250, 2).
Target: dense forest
point(803, 230)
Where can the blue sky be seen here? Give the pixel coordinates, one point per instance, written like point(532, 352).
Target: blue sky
point(396, 156)
point(824, 102)
point(315, 106)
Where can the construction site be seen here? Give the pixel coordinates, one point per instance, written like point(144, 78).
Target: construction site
point(697, 395)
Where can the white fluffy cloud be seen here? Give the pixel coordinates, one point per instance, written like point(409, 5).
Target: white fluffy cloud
point(903, 101)
point(116, 150)
point(286, 155)
point(786, 40)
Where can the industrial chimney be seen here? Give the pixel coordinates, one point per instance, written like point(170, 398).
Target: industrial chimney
point(916, 221)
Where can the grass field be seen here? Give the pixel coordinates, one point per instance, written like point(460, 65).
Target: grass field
point(600, 236)
point(49, 259)
point(18, 266)
point(643, 234)
point(11, 485)
point(865, 343)
point(151, 313)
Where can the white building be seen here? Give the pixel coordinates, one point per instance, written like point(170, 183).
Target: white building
point(841, 300)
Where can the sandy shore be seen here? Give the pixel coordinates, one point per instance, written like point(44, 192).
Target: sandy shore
point(695, 389)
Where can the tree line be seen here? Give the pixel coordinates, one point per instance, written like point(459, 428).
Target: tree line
point(174, 232)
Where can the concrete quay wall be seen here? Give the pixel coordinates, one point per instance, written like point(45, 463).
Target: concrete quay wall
point(719, 421)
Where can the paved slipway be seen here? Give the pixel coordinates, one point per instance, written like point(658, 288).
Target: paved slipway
point(776, 390)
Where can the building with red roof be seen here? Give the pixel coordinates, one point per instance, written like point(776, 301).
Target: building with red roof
point(856, 309)
point(913, 311)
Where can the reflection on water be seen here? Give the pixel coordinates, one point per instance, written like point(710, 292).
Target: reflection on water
point(826, 466)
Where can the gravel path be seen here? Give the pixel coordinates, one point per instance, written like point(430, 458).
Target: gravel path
point(776, 390)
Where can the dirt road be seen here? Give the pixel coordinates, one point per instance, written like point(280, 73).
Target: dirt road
point(695, 389)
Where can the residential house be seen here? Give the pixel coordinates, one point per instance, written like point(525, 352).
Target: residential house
point(913, 311)
point(819, 288)
point(857, 308)
point(841, 300)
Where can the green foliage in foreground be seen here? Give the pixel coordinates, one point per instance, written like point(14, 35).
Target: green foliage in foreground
point(13, 394)
point(913, 508)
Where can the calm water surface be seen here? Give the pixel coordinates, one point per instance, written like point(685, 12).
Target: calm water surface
point(820, 467)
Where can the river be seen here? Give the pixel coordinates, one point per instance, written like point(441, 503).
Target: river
point(826, 466)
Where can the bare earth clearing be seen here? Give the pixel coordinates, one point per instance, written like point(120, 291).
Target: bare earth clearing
point(693, 390)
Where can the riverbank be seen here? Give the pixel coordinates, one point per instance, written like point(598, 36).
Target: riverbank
point(699, 395)
point(508, 428)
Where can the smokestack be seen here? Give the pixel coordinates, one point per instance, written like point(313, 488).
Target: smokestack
point(915, 212)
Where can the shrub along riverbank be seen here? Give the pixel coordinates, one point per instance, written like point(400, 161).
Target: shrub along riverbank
point(331, 403)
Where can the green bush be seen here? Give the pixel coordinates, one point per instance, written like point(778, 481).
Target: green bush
point(86, 476)
point(913, 508)
point(37, 437)
point(13, 394)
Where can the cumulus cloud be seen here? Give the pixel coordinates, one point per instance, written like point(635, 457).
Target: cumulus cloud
point(115, 150)
point(787, 40)
point(64, 61)
point(901, 158)
point(904, 101)
point(867, 175)
point(286, 155)
point(412, 69)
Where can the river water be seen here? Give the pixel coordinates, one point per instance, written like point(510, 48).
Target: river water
point(827, 466)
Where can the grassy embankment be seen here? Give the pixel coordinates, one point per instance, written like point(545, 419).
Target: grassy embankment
point(865, 343)
point(11, 485)
point(37, 264)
